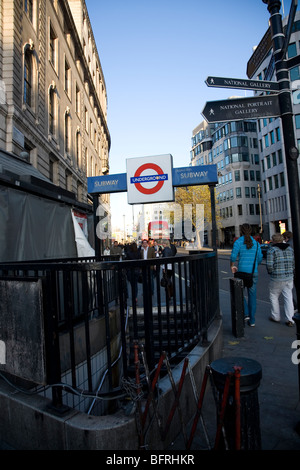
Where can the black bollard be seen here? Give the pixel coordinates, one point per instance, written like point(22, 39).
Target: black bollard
point(237, 306)
point(241, 418)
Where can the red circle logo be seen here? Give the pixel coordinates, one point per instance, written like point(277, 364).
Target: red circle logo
point(139, 171)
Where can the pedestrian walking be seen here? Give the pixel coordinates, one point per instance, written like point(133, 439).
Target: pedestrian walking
point(246, 251)
point(166, 253)
point(281, 266)
point(116, 249)
point(133, 272)
point(288, 238)
point(148, 252)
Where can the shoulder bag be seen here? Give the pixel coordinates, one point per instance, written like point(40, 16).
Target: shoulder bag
point(247, 278)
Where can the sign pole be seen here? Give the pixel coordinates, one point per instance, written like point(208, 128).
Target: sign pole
point(291, 151)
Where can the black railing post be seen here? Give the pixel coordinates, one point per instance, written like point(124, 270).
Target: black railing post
point(52, 350)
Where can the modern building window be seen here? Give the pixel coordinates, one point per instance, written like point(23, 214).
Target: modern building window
point(294, 73)
point(240, 209)
point(278, 137)
point(247, 191)
point(270, 184)
point(292, 50)
point(238, 192)
point(28, 78)
point(267, 141)
point(279, 153)
point(297, 121)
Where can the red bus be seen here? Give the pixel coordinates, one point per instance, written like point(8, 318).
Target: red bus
point(158, 230)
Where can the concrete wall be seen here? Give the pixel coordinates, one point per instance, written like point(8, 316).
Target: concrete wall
point(28, 423)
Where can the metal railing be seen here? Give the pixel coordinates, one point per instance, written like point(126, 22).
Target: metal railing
point(130, 303)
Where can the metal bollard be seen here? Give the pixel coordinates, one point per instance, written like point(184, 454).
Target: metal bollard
point(241, 421)
point(237, 306)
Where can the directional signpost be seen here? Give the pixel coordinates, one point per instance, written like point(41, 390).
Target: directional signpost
point(269, 106)
point(242, 108)
point(261, 85)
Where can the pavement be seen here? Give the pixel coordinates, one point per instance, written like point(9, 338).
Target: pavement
point(270, 344)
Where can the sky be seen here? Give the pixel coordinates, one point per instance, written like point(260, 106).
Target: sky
point(155, 56)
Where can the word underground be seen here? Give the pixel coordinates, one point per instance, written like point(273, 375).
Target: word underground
point(153, 460)
point(147, 178)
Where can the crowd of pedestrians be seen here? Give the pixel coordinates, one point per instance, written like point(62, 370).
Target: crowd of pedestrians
point(146, 249)
point(245, 257)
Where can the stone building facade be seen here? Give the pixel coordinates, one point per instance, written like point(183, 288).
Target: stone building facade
point(53, 102)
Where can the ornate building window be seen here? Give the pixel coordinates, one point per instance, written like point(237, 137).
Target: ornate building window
point(52, 111)
point(28, 78)
point(67, 132)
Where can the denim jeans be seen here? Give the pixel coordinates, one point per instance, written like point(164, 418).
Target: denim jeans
point(250, 306)
point(286, 289)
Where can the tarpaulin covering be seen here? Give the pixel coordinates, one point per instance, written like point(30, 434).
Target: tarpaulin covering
point(34, 228)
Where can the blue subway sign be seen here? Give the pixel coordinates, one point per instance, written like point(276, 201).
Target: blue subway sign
point(184, 176)
point(107, 184)
point(195, 175)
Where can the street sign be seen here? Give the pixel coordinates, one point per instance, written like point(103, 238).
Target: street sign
point(195, 175)
point(107, 184)
point(262, 85)
point(242, 108)
point(183, 176)
point(149, 179)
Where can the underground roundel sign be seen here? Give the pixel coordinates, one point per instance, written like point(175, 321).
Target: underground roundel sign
point(149, 179)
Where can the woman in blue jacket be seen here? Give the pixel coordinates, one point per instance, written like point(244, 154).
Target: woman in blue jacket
point(244, 250)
